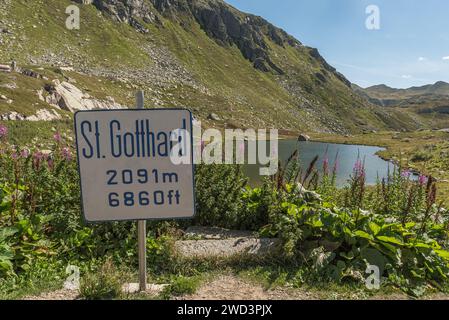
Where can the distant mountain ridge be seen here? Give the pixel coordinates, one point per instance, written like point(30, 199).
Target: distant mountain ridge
point(424, 98)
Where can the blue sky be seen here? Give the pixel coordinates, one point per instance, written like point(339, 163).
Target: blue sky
point(411, 48)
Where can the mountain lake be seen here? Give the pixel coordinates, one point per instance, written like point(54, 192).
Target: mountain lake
point(346, 155)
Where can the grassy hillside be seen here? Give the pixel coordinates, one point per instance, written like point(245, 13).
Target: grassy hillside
point(179, 60)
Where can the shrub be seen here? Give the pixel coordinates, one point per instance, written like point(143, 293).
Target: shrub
point(106, 284)
point(421, 156)
point(181, 286)
point(219, 195)
point(256, 208)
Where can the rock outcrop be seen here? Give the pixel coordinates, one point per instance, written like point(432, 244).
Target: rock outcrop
point(67, 97)
point(41, 115)
point(128, 11)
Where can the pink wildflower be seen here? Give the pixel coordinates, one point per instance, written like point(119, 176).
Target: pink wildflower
point(25, 153)
point(3, 131)
point(66, 154)
point(57, 137)
point(422, 180)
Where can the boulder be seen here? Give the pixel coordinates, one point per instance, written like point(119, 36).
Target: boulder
point(41, 115)
point(303, 137)
point(214, 233)
point(44, 115)
point(214, 117)
point(12, 116)
point(226, 248)
point(66, 96)
point(5, 68)
point(223, 243)
point(31, 73)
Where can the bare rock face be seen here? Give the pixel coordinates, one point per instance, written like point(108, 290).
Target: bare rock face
point(220, 21)
point(67, 97)
point(231, 27)
point(128, 11)
point(228, 26)
point(44, 115)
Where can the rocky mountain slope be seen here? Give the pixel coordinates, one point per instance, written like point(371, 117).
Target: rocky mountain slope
point(230, 68)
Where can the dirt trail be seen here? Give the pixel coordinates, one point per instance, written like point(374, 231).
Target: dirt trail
point(62, 294)
point(228, 287)
point(231, 287)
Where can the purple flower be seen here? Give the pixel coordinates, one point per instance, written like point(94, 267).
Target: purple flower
point(358, 166)
point(38, 155)
point(336, 165)
point(14, 156)
point(359, 169)
point(422, 180)
point(25, 153)
point(326, 165)
point(57, 137)
point(3, 131)
point(50, 163)
point(66, 153)
point(37, 158)
point(406, 174)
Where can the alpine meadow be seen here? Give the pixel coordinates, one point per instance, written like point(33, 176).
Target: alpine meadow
point(98, 97)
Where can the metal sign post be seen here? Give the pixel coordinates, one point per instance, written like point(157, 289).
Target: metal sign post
point(142, 225)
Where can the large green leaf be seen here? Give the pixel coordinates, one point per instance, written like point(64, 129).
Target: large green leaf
point(392, 240)
point(5, 265)
point(443, 254)
point(363, 234)
point(374, 227)
point(374, 257)
point(7, 232)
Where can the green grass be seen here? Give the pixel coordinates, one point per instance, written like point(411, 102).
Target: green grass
point(25, 98)
point(35, 134)
point(43, 276)
point(180, 286)
point(99, 40)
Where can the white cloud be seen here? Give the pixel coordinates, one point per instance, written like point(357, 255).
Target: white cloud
point(406, 76)
point(446, 58)
point(422, 59)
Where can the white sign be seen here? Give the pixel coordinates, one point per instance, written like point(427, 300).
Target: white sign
point(127, 167)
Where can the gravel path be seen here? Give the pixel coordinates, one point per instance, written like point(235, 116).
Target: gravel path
point(62, 294)
point(228, 287)
point(231, 287)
